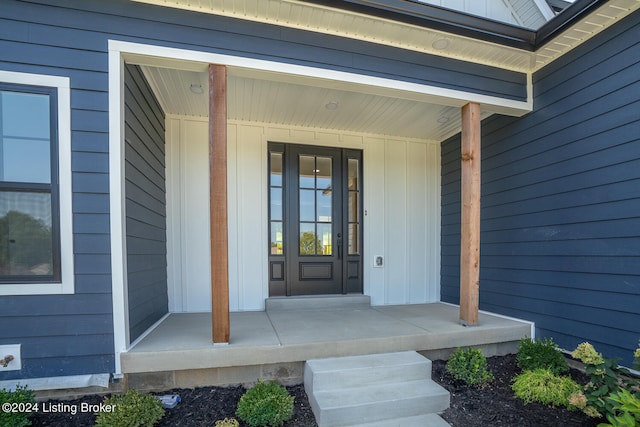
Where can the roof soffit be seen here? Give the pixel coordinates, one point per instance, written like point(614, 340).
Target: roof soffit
point(471, 42)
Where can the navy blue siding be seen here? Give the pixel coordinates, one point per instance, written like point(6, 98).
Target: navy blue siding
point(561, 201)
point(70, 38)
point(146, 211)
point(83, 47)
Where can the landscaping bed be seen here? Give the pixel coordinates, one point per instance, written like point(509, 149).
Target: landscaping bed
point(493, 404)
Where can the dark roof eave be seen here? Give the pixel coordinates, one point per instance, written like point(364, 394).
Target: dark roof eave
point(575, 12)
point(463, 24)
point(438, 18)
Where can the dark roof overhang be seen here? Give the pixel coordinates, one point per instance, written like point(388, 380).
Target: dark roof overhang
point(442, 19)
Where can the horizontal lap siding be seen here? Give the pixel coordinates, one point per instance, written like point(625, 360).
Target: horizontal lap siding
point(67, 334)
point(70, 38)
point(204, 32)
point(561, 201)
point(146, 210)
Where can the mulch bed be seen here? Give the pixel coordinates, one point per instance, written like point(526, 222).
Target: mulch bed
point(496, 405)
point(492, 405)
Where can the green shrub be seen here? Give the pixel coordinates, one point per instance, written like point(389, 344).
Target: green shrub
point(132, 409)
point(23, 401)
point(636, 358)
point(469, 366)
point(543, 386)
point(606, 378)
point(543, 354)
point(626, 408)
point(227, 422)
point(265, 404)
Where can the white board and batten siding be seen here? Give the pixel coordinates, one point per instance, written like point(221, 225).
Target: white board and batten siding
point(401, 199)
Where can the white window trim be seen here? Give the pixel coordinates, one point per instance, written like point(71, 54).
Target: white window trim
point(67, 284)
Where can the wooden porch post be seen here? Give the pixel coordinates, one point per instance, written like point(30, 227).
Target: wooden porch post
point(470, 215)
point(218, 203)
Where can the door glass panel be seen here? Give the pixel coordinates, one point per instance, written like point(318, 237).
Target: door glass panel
point(316, 205)
point(309, 243)
point(352, 165)
point(276, 169)
point(276, 196)
point(324, 237)
point(353, 206)
point(324, 205)
point(353, 172)
point(307, 174)
point(307, 205)
point(276, 204)
point(323, 173)
point(277, 241)
point(353, 239)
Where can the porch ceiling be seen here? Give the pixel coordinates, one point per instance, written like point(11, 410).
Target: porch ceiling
point(291, 101)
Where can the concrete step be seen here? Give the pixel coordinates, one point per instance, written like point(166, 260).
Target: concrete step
point(428, 420)
point(352, 371)
point(321, 302)
point(370, 389)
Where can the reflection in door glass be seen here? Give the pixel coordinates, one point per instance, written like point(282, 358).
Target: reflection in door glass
point(316, 205)
point(324, 236)
point(324, 205)
point(323, 173)
point(353, 174)
point(309, 243)
point(307, 172)
point(275, 203)
point(277, 241)
point(307, 205)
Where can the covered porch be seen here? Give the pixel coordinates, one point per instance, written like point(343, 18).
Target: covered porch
point(274, 344)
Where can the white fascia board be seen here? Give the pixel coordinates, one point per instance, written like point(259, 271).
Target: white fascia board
point(159, 56)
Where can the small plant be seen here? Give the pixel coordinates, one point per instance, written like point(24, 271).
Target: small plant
point(227, 422)
point(636, 358)
point(132, 409)
point(627, 410)
point(469, 366)
point(543, 354)
point(265, 404)
point(23, 401)
point(606, 379)
point(543, 386)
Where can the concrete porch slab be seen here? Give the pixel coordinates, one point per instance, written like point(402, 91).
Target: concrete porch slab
point(270, 342)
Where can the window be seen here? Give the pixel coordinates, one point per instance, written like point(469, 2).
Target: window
point(36, 254)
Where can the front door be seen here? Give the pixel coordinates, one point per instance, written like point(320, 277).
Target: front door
point(315, 224)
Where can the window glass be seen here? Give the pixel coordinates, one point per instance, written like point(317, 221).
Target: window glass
point(25, 151)
point(29, 229)
point(26, 237)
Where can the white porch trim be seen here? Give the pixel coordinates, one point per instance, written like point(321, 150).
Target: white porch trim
point(151, 55)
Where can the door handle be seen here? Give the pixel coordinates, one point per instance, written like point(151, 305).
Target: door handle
point(339, 245)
